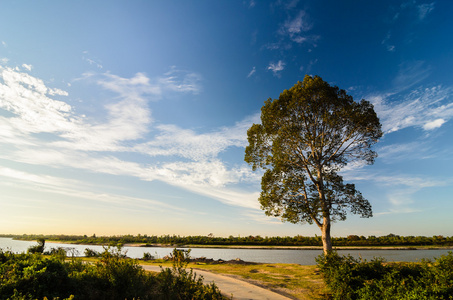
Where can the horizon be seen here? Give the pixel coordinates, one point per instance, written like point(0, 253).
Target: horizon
point(119, 116)
point(146, 235)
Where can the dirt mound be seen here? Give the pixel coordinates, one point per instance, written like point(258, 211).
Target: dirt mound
point(236, 261)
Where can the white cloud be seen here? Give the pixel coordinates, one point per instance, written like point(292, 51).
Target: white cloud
point(418, 108)
point(251, 72)
point(180, 81)
point(296, 28)
point(298, 24)
point(29, 100)
point(28, 67)
point(434, 124)
point(187, 159)
point(276, 67)
point(174, 141)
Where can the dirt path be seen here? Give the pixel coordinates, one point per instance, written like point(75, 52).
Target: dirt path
point(240, 290)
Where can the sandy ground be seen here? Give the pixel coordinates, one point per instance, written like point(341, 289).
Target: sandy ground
point(240, 290)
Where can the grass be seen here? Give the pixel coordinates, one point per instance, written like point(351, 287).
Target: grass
point(295, 281)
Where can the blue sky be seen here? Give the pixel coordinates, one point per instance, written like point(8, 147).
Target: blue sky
point(127, 117)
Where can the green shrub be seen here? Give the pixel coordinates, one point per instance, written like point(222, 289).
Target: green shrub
point(91, 253)
point(147, 256)
point(178, 283)
point(113, 277)
point(38, 248)
point(349, 278)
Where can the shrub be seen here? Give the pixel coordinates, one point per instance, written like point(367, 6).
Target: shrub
point(113, 277)
point(178, 283)
point(91, 253)
point(348, 278)
point(147, 256)
point(38, 248)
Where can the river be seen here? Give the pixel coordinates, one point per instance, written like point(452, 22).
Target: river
point(302, 257)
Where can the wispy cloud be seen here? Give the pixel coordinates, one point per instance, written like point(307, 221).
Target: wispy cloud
point(251, 72)
point(410, 74)
point(426, 108)
point(296, 29)
point(187, 159)
point(71, 188)
point(398, 152)
point(28, 67)
point(92, 61)
point(424, 10)
point(411, 14)
point(386, 43)
point(298, 24)
point(400, 188)
point(174, 141)
point(276, 67)
point(260, 217)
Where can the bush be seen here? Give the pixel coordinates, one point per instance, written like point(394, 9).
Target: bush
point(348, 278)
point(91, 253)
point(38, 248)
point(147, 256)
point(178, 283)
point(113, 277)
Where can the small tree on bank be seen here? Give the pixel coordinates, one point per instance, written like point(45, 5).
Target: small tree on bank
point(305, 137)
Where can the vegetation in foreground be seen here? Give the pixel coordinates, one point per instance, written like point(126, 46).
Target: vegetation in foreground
point(348, 278)
point(111, 275)
point(35, 276)
point(176, 240)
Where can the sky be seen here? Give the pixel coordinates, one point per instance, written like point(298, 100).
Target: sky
point(131, 117)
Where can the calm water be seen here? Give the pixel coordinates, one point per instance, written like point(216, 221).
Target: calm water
point(303, 257)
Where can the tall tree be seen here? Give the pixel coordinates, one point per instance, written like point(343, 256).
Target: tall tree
point(305, 138)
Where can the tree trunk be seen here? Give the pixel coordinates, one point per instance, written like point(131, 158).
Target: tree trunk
point(326, 239)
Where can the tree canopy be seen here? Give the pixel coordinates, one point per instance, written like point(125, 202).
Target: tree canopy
point(305, 138)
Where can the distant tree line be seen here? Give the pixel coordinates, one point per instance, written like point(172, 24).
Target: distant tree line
point(176, 240)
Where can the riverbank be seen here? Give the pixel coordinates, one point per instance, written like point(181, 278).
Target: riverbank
point(259, 254)
point(294, 247)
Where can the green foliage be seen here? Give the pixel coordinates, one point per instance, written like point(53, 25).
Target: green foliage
point(348, 278)
point(30, 275)
point(147, 256)
point(305, 137)
point(178, 283)
point(91, 253)
point(38, 248)
point(33, 276)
